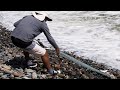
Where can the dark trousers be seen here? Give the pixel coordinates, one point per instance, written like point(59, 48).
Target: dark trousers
point(19, 43)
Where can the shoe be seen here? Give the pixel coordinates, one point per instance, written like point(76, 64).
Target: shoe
point(31, 64)
point(53, 72)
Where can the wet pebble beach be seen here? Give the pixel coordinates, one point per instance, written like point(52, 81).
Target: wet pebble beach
point(13, 64)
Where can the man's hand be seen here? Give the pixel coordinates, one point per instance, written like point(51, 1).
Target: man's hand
point(60, 60)
point(58, 52)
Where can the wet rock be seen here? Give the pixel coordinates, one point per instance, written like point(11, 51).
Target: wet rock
point(34, 75)
point(67, 77)
point(57, 66)
point(17, 78)
point(64, 69)
point(19, 74)
point(10, 51)
point(4, 76)
point(73, 73)
point(25, 77)
point(59, 71)
point(17, 56)
point(6, 58)
point(43, 76)
point(11, 76)
point(61, 75)
point(29, 75)
point(85, 77)
point(29, 70)
point(111, 75)
point(2, 53)
point(19, 70)
point(5, 66)
point(1, 74)
point(9, 56)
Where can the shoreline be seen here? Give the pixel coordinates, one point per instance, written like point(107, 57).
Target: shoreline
point(13, 58)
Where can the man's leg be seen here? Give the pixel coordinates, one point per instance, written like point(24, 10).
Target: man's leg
point(46, 61)
point(29, 62)
point(26, 54)
point(43, 54)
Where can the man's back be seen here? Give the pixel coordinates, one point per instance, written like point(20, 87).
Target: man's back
point(27, 28)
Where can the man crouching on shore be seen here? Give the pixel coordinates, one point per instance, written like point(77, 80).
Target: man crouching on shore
point(26, 29)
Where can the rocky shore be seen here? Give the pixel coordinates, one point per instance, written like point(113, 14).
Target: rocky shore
point(12, 64)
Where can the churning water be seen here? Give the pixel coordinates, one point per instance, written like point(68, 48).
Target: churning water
point(92, 35)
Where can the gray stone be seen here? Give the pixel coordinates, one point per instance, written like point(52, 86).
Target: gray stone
point(73, 73)
point(10, 56)
point(61, 75)
point(84, 76)
point(66, 77)
point(20, 70)
point(1, 74)
point(11, 76)
point(18, 78)
point(4, 76)
point(5, 58)
point(17, 55)
point(34, 75)
point(29, 75)
point(10, 51)
point(25, 77)
point(5, 66)
point(43, 76)
point(29, 70)
point(2, 53)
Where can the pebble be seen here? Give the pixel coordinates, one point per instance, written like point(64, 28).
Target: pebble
point(25, 77)
point(2, 53)
point(5, 58)
point(66, 77)
point(111, 75)
point(4, 76)
point(58, 71)
point(1, 74)
point(29, 75)
point(43, 76)
point(84, 76)
point(34, 75)
point(17, 78)
point(17, 56)
point(28, 70)
point(5, 66)
point(73, 73)
point(61, 75)
point(20, 70)
point(57, 66)
point(11, 76)
point(10, 56)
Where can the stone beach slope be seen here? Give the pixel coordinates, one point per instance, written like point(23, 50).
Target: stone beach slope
point(12, 64)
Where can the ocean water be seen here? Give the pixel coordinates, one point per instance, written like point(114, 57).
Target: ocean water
point(92, 35)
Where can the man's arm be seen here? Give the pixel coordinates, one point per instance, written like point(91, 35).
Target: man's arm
point(52, 41)
point(49, 37)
